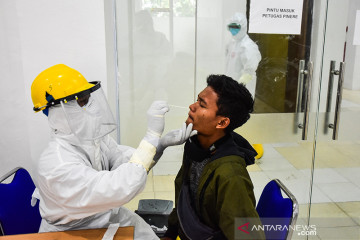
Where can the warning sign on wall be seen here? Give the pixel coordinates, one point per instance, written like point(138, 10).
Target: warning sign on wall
point(275, 16)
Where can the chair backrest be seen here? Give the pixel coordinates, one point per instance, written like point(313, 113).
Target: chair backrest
point(17, 216)
point(275, 210)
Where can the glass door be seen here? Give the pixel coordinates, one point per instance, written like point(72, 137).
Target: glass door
point(285, 104)
point(337, 165)
point(165, 49)
point(292, 104)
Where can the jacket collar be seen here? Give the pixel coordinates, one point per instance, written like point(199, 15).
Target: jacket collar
point(230, 144)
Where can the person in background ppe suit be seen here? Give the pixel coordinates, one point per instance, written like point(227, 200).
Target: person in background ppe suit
point(242, 59)
point(242, 54)
point(83, 177)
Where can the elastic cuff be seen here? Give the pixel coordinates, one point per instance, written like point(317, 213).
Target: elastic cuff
point(144, 154)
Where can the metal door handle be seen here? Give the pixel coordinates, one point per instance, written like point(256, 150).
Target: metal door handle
point(300, 91)
point(332, 72)
point(335, 126)
point(307, 88)
point(307, 100)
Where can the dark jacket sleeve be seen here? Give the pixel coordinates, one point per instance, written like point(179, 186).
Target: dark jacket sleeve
point(173, 222)
point(234, 201)
point(235, 207)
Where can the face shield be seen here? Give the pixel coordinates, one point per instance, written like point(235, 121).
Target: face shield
point(88, 114)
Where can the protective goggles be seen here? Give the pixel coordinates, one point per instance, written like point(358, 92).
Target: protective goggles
point(234, 25)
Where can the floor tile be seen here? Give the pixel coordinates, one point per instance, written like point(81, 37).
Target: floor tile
point(287, 177)
point(295, 181)
point(352, 174)
point(278, 164)
point(300, 157)
point(254, 168)
point(318, 196)
point(339, 233)
point(352, 209)
point(329, 215)
point(351, 151)
point(325, 175)
point(340, 192)
point(289, 144)
point(270, 151)
point(331, 157)
point(259, 180)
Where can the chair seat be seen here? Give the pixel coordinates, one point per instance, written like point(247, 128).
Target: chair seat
point(17, 216)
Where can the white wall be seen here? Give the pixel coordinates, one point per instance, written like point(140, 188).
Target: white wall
point(35, 35)
point(352, 57)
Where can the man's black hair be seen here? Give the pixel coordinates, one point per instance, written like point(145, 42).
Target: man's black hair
point(234, 100)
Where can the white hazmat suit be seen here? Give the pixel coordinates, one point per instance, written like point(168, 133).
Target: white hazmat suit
point(83, 184)
point(242, 55)
point(84, 177)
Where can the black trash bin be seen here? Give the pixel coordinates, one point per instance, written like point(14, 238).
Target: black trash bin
point(156, 213)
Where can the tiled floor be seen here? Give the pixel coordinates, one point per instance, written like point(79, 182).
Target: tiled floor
point(335, 208)
point(335, 199)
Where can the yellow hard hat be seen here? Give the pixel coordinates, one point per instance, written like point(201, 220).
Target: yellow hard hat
point(57, 83)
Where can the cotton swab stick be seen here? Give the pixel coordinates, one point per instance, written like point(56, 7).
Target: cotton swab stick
point(176, 106)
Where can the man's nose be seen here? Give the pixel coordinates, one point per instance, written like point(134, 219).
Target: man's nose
point(192, 107)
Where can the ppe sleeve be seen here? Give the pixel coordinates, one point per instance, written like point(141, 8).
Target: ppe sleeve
point(251, 58)
point(72, 190)
point(117, 154)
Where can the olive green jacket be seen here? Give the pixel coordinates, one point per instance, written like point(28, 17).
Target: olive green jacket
point(225, 190)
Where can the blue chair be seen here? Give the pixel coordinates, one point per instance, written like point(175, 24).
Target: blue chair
point(17, 216)
point(274, 210)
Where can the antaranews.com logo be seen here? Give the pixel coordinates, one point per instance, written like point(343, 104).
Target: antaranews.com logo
point(273, 228)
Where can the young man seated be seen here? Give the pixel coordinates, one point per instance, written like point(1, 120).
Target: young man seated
point(213, 190)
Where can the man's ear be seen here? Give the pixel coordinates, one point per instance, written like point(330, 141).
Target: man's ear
point(223, 123)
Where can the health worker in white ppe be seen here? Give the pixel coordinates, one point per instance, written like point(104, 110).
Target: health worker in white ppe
point(242, 53)
point(84, 177)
